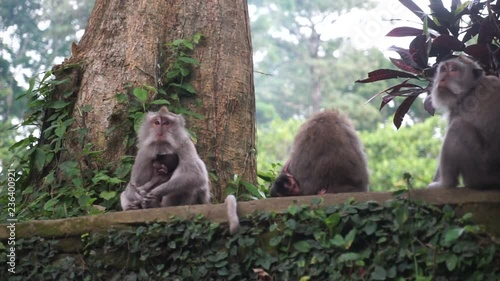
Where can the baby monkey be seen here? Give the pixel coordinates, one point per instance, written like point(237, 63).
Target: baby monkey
point(471, 146)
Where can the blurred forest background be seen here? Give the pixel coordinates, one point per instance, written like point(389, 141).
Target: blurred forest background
point(307, 55)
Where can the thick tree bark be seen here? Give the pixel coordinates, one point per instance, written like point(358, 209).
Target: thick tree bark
point(121, 47)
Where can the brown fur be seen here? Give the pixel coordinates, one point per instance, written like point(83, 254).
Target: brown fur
point(327, 156)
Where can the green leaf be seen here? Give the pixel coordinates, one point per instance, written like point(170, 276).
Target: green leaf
point(58, 104)
point(160, 102)
point(253, 190)
point(197, 37)
point(379, 273)
point(49, 204)
point(141, 94)
point(338, 240)
point(188, 45)
point(370, 227)
point(184, 72)
point(451, 262)
point(121, 97)
point(302, 246)
point(350, 238)
point(402, 214)
point(60, 130)
point(317, 201)
point(106, 195)
point(275, 241)
point(177, 42)
point(348, 257)
point(39, 159)
point(189, 60)
point(453, 234)
point(332, 221)
point(173, 73)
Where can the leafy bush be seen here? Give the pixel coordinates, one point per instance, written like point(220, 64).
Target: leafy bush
point(411, 150)
point(397, 240)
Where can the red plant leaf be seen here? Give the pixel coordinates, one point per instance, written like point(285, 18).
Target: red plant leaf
point(448, 42)
point(418, 50)
point(487, 31)
point(383, 74)
point(404, 31)
point(480, 52)
point(405, 55)
point(410, 5)
point(401, 64)
point(402, 110)
point(472, 31)
point(385, 100)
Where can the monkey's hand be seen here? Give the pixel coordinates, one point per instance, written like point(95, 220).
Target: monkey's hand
point(436, 184)
point(150, 201)
point(130, 200)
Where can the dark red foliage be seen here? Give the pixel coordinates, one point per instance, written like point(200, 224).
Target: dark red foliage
point(383, 74)
point(447, 36)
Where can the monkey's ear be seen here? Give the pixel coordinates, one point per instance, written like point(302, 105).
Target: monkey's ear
point(477, 73)
point(182, 120)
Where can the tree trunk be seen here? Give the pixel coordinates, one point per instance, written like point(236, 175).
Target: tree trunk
point(121, 47)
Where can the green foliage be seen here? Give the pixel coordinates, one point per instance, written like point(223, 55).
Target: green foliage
point(82, 182)
point(40, 33)
point(397, 240)
point(274, 141)
point(412, 150)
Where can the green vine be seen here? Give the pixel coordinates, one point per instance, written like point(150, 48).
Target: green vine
point(397, 240)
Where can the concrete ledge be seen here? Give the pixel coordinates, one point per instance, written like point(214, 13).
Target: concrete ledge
point(486, 204)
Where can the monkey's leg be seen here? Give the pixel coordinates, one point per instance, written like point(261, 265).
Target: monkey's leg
point(460, 151)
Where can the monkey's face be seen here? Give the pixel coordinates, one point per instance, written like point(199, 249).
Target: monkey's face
point(161, 126)
point(454, 78)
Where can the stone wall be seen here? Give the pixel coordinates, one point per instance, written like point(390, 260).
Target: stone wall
point(484, 205)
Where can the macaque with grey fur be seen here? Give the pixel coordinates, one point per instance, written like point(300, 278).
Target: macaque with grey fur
point(471, 146)
point(327, 157)
point(164, 133)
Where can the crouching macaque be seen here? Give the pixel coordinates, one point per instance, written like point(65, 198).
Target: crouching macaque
point(163, 168)
point(164, 133)
point(471, 146)
point(327, 157)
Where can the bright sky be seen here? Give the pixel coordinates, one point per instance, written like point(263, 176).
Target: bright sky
point(368, 28)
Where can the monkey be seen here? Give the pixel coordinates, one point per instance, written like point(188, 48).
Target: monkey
point(163, 133)
point(471, 146)
point(232, 214)
point(327, 157)
point(163, 168)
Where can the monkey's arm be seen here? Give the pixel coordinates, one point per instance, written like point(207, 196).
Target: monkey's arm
point(155, 181)
point(186, 178)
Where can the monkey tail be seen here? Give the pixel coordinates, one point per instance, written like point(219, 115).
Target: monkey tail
point(232, 214)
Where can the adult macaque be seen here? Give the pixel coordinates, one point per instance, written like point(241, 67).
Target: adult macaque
point(164, 133)
point(471, 147)
point(327, 157)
